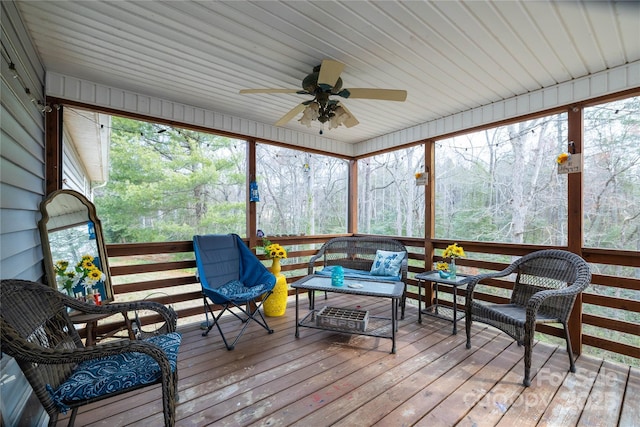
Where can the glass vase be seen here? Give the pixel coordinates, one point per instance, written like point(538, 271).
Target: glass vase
point(452, 268)
point(337, 276)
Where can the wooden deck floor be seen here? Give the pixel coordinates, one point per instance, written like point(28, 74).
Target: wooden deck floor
point(324, 379)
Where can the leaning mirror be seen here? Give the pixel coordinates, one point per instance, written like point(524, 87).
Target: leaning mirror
point(75, 257)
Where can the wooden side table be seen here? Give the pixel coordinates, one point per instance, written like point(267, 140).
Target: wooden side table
point(439, 310)
point(91, 321)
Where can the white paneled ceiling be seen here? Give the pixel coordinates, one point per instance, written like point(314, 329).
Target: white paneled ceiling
point(450, 56)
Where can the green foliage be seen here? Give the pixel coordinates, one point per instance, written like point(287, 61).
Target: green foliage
point(168, 184)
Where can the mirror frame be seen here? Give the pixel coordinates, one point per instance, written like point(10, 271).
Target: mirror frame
point(46, 246)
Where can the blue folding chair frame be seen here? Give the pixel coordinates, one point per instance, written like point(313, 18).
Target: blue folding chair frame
point(231, 277)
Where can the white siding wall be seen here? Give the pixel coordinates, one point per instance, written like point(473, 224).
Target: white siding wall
point(21, 154)
point(73, 175)
point(21, 190)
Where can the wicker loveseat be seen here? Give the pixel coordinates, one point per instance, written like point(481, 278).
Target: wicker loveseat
point(356, 255)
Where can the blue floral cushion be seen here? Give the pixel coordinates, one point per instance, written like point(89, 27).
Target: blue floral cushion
point(94, 378)
point(387, 263)
point(236, 291)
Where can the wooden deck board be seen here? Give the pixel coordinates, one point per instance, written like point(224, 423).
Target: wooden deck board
point(571, 397)
point(331, 383)
point(605, 398)
point(530, 406)
point(434, 382)
point(382, 393)
point(294, 378)
point(630, 415)
point(343, 395)
point(325, 378)
point(500, 399)
point(475, 385)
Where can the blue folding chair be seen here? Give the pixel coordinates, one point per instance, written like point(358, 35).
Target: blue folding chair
point(231, 277)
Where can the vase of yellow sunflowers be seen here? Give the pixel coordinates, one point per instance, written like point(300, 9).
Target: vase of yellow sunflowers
point(453, 251)
point(276, 304)
point(84, 273)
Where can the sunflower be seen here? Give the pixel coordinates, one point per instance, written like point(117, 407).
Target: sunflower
point(442, 266)
point(274, 250)
point(87, 264)
point(61, 265)
point(453, 251)
point(562, 158)
point(94, 274)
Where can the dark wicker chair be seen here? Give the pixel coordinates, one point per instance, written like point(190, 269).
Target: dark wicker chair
point(545, 288)
point(36, 330)
point(358, 253)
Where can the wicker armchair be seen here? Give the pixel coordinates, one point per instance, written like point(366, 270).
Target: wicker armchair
point(544, 291)
point(36, 330)
point(358, 253)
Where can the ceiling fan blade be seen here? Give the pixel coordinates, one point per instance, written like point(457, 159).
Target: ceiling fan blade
point(290, 115)
point(266, 90)
point(351, 121)
point(330, 71)
point(383, 94)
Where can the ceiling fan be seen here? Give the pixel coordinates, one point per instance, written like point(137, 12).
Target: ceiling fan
point(323, 83)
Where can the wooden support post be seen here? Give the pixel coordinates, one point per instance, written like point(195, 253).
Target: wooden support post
point(53, 149)
point(251, 224)
point(352, 199)
point(429, 213)
point(574, 226)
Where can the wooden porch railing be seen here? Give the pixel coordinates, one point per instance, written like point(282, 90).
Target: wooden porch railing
point(165, 272)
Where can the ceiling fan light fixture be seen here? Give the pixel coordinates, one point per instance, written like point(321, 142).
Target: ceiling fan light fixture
point(332, 113)
point(339, 118)
point(310, 113)
point(323, 82)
